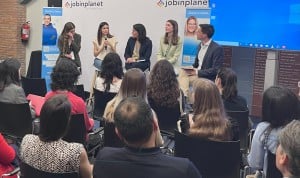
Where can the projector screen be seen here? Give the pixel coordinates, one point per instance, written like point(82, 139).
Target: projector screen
point(257, 23)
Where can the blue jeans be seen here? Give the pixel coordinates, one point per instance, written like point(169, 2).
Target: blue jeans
point(97, 63)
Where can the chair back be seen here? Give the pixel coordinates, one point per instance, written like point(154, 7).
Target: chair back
point(111, 139)
point(35, 86)
point(76, 131)
point(212, 158)
point(167, 117)
point(272, 171)
point(79, 91)
point(241, 118)
point(100, 100)
point(34, 69)
point(15, 119)
point(28, 171)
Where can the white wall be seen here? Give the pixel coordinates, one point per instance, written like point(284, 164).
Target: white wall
point(34, 13)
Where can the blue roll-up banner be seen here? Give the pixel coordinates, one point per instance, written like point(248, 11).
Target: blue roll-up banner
point(194, 17)
point(50, 34)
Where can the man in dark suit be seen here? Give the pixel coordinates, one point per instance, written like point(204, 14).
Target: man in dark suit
point(209, 59)
point(137, 125)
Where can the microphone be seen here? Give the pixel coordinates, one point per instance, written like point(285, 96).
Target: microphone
point(105, 47)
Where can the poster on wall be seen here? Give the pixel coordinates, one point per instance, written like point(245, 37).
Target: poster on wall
point(51, 24)
point(194, 17)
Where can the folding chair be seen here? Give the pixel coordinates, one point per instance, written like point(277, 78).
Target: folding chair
point(35, 86)
point(213, 159)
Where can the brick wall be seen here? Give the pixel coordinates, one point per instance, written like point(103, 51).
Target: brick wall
point(12, 16)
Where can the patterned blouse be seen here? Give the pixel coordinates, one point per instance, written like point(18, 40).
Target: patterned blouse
point(56, 156)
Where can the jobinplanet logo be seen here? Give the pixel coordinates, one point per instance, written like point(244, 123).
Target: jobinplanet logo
point(85, 4)
point(182, 3)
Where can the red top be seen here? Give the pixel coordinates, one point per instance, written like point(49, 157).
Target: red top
point(7, 155)
point(78, 106)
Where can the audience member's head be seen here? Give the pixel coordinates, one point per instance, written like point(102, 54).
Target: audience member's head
point(9, 73)
point(279, 106)
point(226, 82)
point(139, 32)
point(54, 118)
point(64, 75)
point(133, 84)
point(288, 151)
point(163, 86)
point(209, 114)
point(134, 121)
point(111, 67)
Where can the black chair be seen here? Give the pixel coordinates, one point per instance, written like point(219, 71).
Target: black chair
point(28, 171)
point(100, 100)
point(76, 131)
point(242, 120)
point(272, 171)
point(15, 119)
point(35, 86)
point(213, 159)
point(35, 65)
point(111, 139)
point(79, 91)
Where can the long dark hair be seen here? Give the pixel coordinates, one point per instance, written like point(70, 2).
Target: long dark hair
point(140, 28)
point(9, 73)
point(111, 67)
point(99, 33)
point(279, 106)
point(175, 37)
point(228, 82)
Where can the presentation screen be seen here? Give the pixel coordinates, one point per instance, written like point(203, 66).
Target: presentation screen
point(259, 24)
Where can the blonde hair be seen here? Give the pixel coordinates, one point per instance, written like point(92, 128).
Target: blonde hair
point(210, 120)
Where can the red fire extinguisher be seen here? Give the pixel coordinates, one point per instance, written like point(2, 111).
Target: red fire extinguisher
point(25, 31)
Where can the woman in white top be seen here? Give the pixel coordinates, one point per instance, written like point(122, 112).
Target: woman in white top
point(104, 44)
point(170, 44)
point(111, 74)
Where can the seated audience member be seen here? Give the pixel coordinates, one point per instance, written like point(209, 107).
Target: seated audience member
point(279, 107)
point(164, 95)
point(226, 82)
point(7, 155)
point(209, 119)
point(133, 84)
point(10, 85)
point(137, 126)
point(288, 150)
point(138, 49)
point(47, 151)
point(63, 77)
point(111, 74)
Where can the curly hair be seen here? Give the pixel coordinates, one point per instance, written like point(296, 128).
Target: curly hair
point(64, 75)
point(111, 67)
point(163, 86)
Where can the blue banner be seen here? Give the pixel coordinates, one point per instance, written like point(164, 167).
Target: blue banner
point(51, 27)
point(194, 17)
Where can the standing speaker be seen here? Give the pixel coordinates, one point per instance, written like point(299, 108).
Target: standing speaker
point(54, 3)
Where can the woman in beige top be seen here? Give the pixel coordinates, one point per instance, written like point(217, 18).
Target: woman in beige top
point(104, 44)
